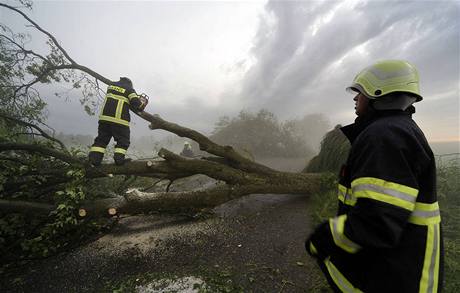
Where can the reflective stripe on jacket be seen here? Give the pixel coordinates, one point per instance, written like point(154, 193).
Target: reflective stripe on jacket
point(387, 234)
point(118, 100)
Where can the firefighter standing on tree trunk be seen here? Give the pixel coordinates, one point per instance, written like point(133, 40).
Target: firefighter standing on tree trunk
point(386, 236)
point(114, 121)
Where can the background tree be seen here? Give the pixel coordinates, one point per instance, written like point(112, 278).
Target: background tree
point(310, 128)
point(334, 151)
point(262, 135)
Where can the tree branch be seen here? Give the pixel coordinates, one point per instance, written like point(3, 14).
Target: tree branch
point(37, 148)
point(24, 50)
point(15, 160)
point(42, 75)
point(156, 122)
point(40, 29)
point(42, 132)
point(91, 72)
point(25, 207)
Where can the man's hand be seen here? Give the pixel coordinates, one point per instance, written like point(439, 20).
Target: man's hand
point(317, 245)
point(144, 100)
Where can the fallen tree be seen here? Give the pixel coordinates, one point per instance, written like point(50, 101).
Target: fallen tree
point(239, 175)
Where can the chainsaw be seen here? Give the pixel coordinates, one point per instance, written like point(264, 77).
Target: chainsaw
point(144, 99)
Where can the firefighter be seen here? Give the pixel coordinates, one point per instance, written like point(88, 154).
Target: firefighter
point(114, 121)
point(187, 150)
point(386, 236)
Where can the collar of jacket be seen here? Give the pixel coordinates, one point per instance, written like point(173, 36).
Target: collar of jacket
point(352, 131)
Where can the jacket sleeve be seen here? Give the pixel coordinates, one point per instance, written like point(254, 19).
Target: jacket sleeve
point(384, 184)
point(134, 102)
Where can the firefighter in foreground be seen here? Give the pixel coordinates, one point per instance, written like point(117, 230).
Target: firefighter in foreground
point(114, 121)
point(387, 234)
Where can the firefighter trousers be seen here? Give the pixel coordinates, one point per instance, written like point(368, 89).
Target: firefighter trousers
point(105, 132)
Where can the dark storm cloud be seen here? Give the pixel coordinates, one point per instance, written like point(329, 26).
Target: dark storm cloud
point(303, 58)
point(280, 35)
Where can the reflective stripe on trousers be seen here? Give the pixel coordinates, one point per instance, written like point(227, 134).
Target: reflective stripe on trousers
point(97, 149)
point(120, 151)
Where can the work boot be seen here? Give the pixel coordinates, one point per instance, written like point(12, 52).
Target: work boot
point(120, 159)
point(121, 162)
point(95, 158)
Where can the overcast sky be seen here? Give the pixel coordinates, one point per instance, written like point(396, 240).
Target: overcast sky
point(201, 60)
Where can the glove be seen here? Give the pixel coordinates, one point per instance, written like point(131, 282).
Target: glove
point(311, 248)
point(319, 243)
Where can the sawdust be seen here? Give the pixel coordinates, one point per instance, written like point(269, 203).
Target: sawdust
point(184, 285)
point(152, 232)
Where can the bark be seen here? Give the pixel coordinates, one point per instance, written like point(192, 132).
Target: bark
point(24, 207)
point(30, 125)
point(135, 201)
point(139, 202)
point(41, 149)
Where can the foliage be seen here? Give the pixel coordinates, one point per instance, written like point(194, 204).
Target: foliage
point(31, 236)
point(64, 218)
point(34, 236)
point(324, 203)
point(333, 153)
point(448, 193)
point(261, 134)
point(12, 71)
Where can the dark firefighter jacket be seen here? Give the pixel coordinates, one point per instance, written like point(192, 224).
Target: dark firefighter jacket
point(387, 235)
point(118, 100)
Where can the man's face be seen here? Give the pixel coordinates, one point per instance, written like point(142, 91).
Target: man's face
point(361, 104)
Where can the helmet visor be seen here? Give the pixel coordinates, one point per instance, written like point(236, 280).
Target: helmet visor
point(356, 88)
point(352, 90)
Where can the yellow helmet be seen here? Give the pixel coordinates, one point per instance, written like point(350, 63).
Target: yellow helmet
point(386, 77)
